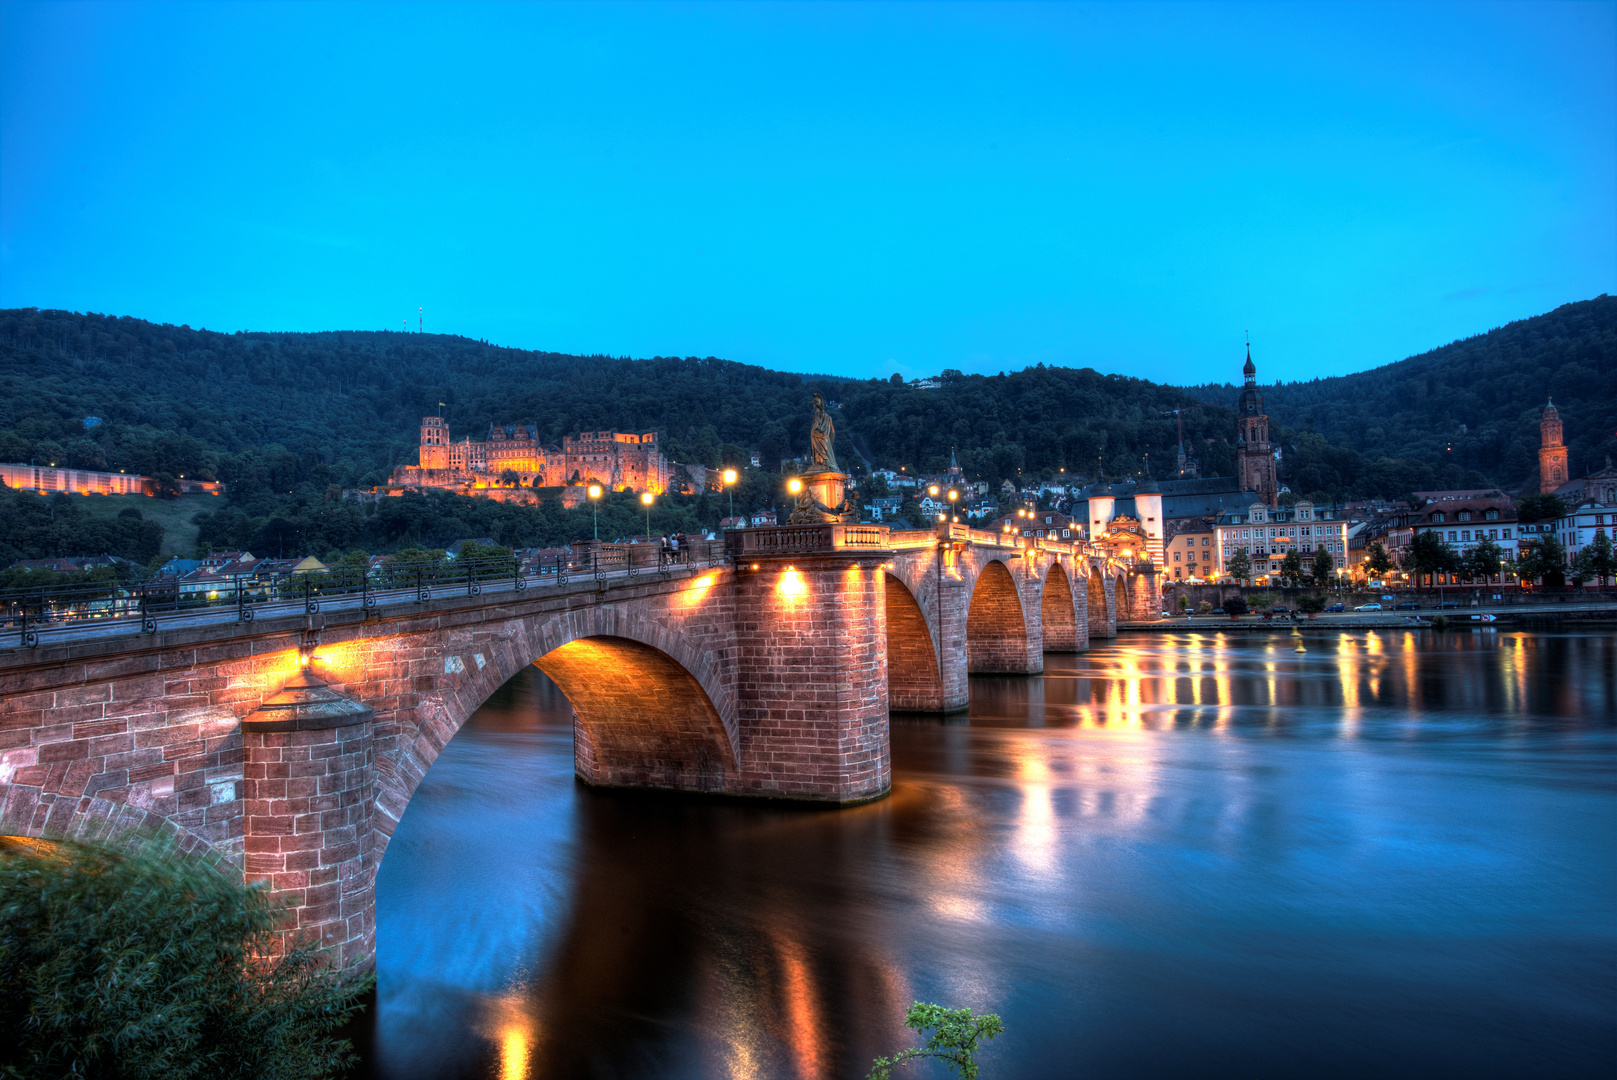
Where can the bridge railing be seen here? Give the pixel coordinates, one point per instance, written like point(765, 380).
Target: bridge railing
point(804, 539)
point(109, 607)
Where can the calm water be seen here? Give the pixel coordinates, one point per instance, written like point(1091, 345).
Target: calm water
point(1175, 856)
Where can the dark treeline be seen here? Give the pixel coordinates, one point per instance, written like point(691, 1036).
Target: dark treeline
point(1475, 402)
point(36, 526)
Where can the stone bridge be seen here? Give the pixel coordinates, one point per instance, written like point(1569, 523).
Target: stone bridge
point(290, 745)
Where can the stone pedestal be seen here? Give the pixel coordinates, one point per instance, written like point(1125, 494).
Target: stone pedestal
point(308, 792)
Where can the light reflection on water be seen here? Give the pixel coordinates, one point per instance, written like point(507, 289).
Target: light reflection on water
point(1186, 855)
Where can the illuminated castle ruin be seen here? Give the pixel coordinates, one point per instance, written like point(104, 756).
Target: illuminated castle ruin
point(617, 460)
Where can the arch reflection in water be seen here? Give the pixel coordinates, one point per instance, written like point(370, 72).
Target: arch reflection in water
point(1192, 854)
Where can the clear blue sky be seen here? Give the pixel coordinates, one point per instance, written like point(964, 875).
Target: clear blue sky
point(833, 187)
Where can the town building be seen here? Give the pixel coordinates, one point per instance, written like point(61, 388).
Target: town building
point(1268, 534)
point(621, 461)
point(1041, 525)
point(1191, 551)
point(1465, 519)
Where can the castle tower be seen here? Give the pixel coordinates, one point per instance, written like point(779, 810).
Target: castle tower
point(1254, 457)
point(434, 443)
point(1552, 464)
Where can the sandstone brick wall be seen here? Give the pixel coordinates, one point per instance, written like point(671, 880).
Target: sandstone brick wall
point(1058, 615)
point(812, 660)
point(913, 681)
point(307, 806)
point(997, 632)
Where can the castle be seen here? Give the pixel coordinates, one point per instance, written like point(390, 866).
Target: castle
point(616, 460)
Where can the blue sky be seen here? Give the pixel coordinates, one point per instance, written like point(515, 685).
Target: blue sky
point(837, 187)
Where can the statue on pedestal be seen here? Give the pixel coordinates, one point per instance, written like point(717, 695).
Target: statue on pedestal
point(823, 495)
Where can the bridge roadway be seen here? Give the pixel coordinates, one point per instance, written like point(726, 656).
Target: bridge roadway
point(290, 745)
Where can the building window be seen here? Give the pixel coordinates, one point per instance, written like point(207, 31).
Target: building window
point(1491, 515)
point(1437, 518)
point(1464, 515)
point(1504, 534)
point(1465, 534)
point(1176, 556)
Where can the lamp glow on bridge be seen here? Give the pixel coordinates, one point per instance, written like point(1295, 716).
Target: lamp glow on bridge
point(646, 499)
point(794, 485)
point(729, 485)
point(791, 583)
point(595, 505)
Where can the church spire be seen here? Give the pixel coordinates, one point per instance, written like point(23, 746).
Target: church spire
point(1250, 370)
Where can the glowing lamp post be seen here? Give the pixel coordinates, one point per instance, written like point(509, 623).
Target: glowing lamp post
point(595, 506)
point(795, 486)
point(953, 497)
point(646, 499)
point(729, 485)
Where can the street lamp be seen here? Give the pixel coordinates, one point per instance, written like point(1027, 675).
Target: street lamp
point(595, 495)
point(646, 499)
point(932, 490)
point(729, 481)
point(794, 485)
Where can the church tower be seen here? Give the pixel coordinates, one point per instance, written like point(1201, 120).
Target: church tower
point(1254, 458)
point(1552, 466)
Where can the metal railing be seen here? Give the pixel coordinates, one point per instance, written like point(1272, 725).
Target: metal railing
point(106, 608)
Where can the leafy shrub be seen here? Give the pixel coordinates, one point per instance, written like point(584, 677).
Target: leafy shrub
point(956, 1036)
point(1235, 605)
point(1311, 604)
point(1204, 608)
point(148, 965)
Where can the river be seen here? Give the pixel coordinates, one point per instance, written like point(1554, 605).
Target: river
point(1178, 855)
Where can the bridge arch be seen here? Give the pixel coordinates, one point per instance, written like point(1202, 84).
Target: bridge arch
point(996, 626)
point(914, 680)
point(649, 707)
point(1100, 622)
point(1057, 611)
point(1123, 605)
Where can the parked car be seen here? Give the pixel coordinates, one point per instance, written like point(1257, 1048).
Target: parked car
point(1449, 604)
point(1218, 611)
point(1280, 609)
point(1336, 608)
point(1408, 605)
point(1368, 607)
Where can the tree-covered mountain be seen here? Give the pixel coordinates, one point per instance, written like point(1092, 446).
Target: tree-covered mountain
point(1476, 402)
point(288, 420)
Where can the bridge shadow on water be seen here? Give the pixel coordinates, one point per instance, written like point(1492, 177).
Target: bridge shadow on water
point(1176, 855)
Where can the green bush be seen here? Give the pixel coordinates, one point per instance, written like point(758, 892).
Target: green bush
point(1204, 608)
point(1235, 605)
point(956, 1036)
point(1311, 604)
point(134, 966)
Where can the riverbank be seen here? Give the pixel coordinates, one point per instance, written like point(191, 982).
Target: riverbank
point(1514, 616)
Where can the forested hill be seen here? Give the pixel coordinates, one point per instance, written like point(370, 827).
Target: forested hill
point(1476, 401)
point(269, 411)
point(173, 399)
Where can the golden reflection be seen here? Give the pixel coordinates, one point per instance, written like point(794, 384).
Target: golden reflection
point(515, 1053)
point(791, 584)
point(802, 1017)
